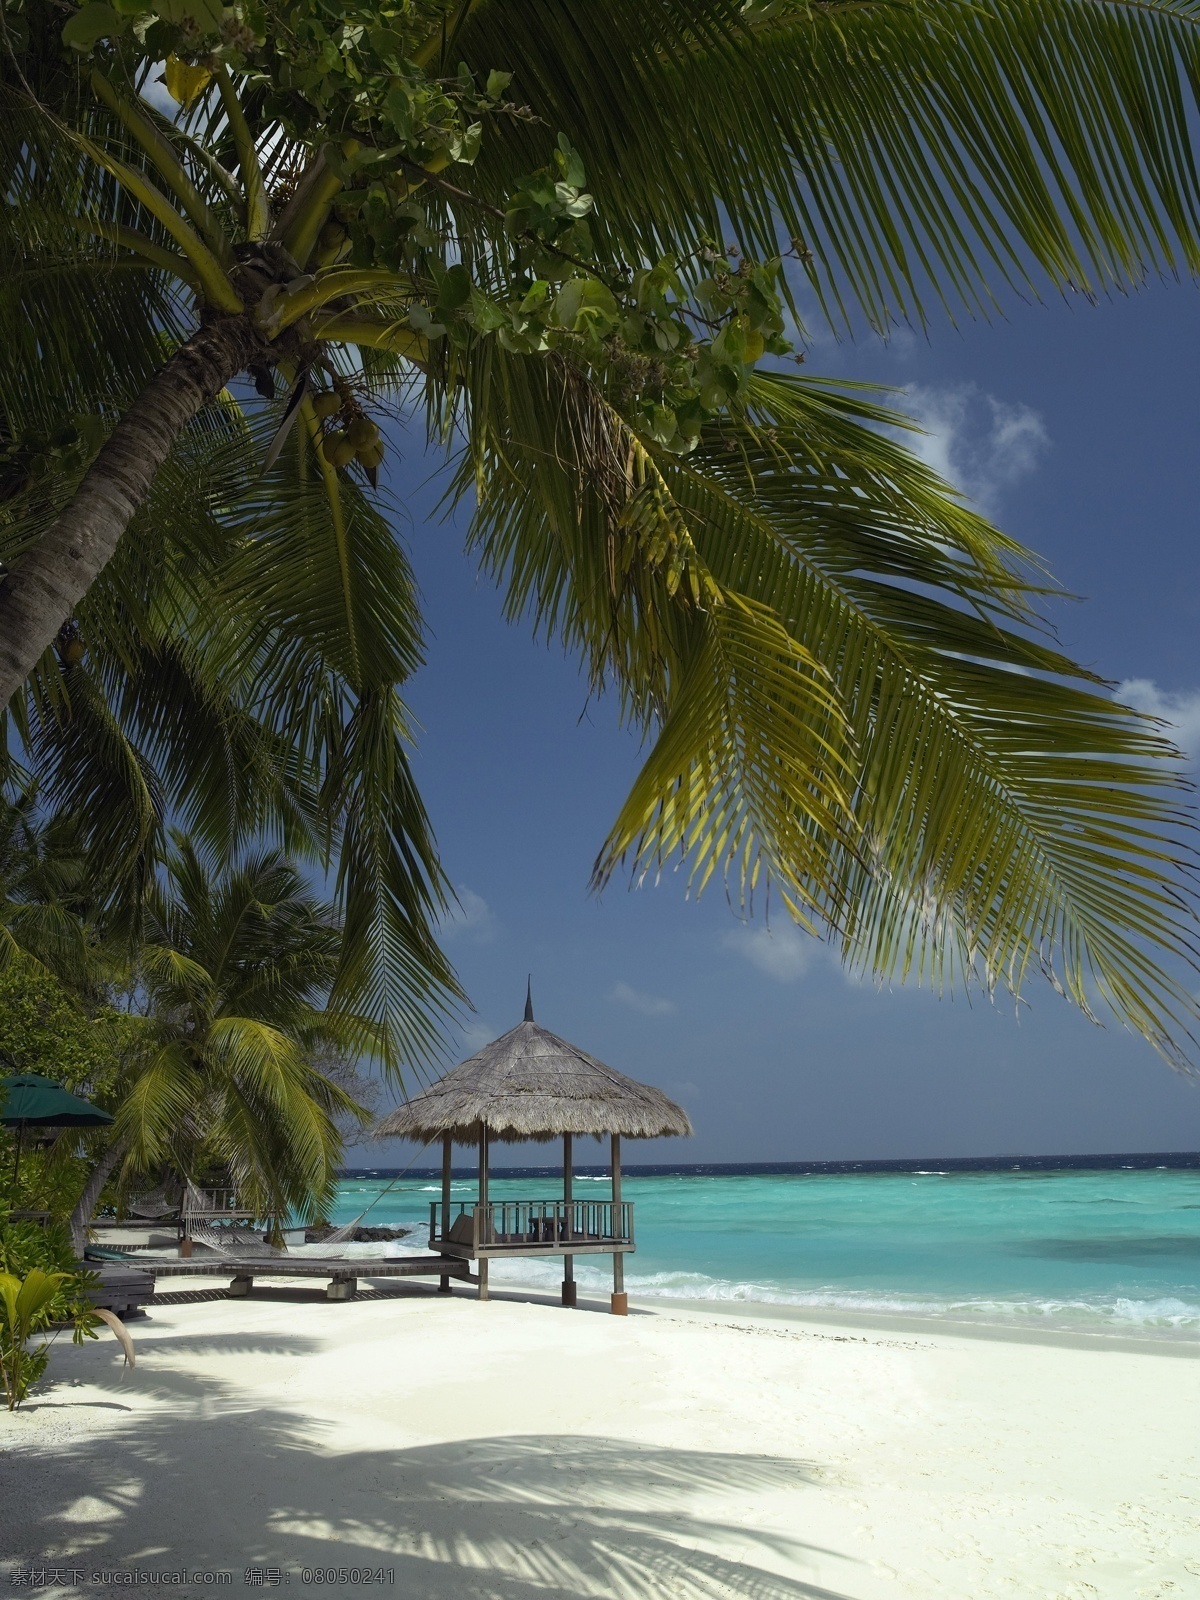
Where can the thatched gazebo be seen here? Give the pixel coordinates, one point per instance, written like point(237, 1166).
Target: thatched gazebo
point(530, 1084)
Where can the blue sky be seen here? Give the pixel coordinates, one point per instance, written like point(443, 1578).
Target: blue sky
point(1073, 426)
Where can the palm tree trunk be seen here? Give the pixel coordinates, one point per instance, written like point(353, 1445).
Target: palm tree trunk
point(42, 591)
point(86, 1204)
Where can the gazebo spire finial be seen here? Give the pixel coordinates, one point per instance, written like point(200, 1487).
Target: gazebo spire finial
point(529, 999)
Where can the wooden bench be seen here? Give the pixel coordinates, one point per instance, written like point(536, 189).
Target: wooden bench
point(343, 1276)
point(123, 1288)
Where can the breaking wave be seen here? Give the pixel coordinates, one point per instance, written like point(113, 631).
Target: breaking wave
point(1167, 1316)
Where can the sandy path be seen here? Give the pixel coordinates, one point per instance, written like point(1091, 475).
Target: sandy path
point(514, 1451)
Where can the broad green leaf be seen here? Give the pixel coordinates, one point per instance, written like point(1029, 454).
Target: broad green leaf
point(90, 24)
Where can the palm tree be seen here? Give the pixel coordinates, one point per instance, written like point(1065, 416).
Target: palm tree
point(230, 984)
point(44, 901)
point(212, 1042)
point(835, 663)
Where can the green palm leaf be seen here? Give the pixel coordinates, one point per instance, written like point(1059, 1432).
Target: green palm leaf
point(922, 153)
point(951, 795)
point(241, 656)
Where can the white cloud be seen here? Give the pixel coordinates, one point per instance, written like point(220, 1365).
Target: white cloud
point(784, 953)
point(1179, 707)
point(650, 1005)
point(978, 443)
point(472, 918)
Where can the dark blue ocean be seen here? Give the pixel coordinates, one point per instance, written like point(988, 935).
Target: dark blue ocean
point(1106, 1243)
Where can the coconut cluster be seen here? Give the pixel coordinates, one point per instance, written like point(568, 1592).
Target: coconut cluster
point(356, 439)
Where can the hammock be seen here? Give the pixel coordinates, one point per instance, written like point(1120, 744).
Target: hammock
point(346, 1231)
point(234, 1241)
point(222, 1227)
point(155, 1204)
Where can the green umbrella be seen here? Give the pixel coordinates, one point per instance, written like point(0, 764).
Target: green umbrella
point(29, 1100)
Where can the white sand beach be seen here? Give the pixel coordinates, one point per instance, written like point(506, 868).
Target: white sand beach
point(513, 1449)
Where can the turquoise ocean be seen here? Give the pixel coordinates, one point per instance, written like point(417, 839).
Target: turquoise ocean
point(1107, 1247)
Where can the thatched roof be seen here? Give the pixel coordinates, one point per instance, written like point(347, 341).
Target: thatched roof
point(530, 1084)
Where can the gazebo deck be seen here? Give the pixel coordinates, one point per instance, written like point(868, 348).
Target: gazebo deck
point(471, 1230)
point(530, 1084)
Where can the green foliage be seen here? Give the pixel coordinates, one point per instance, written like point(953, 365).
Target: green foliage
point(25, 1245)
point(32, 1300)
point(36, 454)
point(520, 217)
point(51, 1176)
point(918, 158)
point(43, 898)
point(1038, 805)
point(44, 1029)
point(240, 664)
point(398, 122)
point(88, 1047)
point(169, 689)
point(24, 1308)
point(208, 1049)
point(232, 973)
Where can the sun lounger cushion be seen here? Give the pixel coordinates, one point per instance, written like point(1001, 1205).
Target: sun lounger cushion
point(463, 1229)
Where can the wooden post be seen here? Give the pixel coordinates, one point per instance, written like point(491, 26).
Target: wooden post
point(447, 1157)
point(568, 1285)
point(482, 1231)
point(620, 1300)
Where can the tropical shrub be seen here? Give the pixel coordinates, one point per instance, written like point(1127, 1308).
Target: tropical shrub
point(25, 1245)
point(24, 1309)
point(44, 1029)
point(32, 1303)
point(49, 1028)
point(43, 1289)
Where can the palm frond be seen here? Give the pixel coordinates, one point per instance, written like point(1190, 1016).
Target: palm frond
point(241, 654)
point(1001, 813)
point(158, 1103)
point(389, 883)
point(749, 770)
point(922, 154)
point(82, 322)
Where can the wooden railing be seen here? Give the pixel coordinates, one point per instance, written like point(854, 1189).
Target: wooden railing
point(213, 1205)
point(537, 1224)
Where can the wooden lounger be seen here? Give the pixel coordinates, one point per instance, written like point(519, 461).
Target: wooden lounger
point(124, 1287)
point(343, 1275)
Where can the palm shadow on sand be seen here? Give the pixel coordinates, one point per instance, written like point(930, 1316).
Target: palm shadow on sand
point(549, 1516)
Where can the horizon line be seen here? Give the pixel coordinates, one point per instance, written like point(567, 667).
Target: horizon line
point(1147, 1158)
